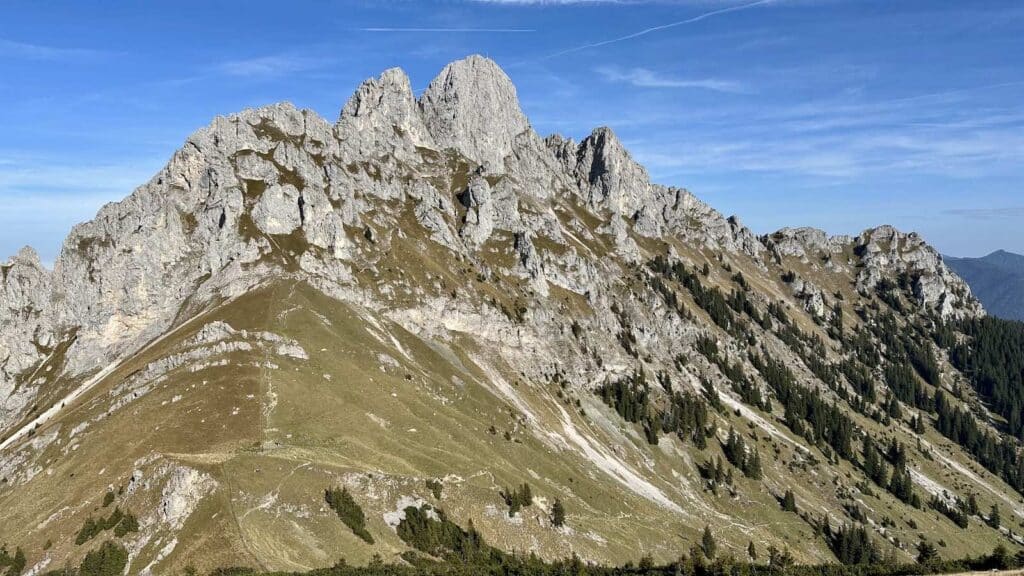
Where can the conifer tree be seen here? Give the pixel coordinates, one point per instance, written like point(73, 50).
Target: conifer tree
point(993, 517)
point(754, 466)
point(558, 513)
point(708, 544)
point(972, 505)
point(926, 552)
point(789, 501)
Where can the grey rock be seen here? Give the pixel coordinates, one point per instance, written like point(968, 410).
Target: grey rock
point(472, 107)
point(886, 252)
point(278, 210)
point(480, 212)
point(609, 177)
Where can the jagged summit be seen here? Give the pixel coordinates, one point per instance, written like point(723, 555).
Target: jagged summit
point(383, 103)
point(472, 106)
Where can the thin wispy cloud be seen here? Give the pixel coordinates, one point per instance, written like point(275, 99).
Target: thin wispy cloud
point(273, 66)
point(449, 30)
point(653, 29)
point(43, 177)
point(42, 198)
point(1008, 212)
point(29, 51)
point(644, 78)
point(958, 91)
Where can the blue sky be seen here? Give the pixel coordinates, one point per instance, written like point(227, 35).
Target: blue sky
point(830, 113)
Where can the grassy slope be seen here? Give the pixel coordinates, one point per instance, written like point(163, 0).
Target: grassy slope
point(380, 410)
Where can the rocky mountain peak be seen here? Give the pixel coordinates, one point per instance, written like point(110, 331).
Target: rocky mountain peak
point(472, 106)
point(612, 178)
point(384, 104)
point(27, 256)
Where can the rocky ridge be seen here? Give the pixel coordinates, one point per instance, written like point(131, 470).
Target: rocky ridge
point(246, 179)
point(541, 251)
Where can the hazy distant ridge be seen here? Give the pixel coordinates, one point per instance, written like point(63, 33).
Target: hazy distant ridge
point(997, 280)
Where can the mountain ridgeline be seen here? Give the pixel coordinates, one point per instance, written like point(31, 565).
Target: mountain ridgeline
point(424, 332)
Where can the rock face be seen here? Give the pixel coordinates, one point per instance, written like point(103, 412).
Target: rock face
point(25, 329)
point(472, 107)
point(184, 489)
point(609, 177)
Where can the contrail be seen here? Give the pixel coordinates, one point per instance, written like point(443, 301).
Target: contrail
point(956, 91)
point(468, 30)
point(646, 31)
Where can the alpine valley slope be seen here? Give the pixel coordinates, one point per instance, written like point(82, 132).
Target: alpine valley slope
point(427, 289)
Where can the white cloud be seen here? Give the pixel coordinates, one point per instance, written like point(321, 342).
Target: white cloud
point(269, 66)
point(39, 177)
point(644, 78)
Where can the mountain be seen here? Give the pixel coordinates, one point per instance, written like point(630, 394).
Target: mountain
point(302, 341)
point(997, 280)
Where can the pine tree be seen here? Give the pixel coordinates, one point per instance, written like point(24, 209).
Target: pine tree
point(874, 467)
point(754, 466)
point(17, 564)
point(999, 558)
point(993, 517)
point(779, 559)
point(349, 511)
point(752, 551)
point(789, 502)
point(708, 544)
point(918, 424)
point(972, 505)
point(558, 513)
point(526, 494)
point(902, 486)
point(926, 552)
point(897, 454)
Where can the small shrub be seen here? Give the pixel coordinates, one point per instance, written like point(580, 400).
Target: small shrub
point(127, 525)
point(435, 487)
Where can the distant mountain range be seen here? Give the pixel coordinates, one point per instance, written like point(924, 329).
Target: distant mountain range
point(997, 280)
